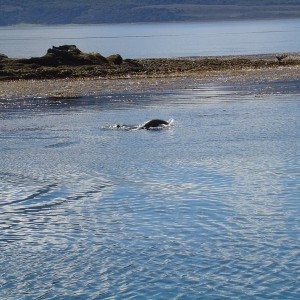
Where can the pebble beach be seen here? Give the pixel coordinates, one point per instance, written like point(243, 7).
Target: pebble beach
point(89, 86)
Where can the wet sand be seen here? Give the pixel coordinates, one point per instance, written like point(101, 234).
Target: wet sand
point(77, 87)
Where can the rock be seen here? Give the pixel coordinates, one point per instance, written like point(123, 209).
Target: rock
point(115, 59)
point(93, 59)
point(64, 50)
point(3, 56)
point(68, 55)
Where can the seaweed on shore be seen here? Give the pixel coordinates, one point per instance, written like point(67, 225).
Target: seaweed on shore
point(68, 61)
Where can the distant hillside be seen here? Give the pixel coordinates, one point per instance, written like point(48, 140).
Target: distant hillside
point(122, 11)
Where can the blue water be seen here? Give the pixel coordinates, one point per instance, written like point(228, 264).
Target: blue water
point(157, 40)
point(205, 209)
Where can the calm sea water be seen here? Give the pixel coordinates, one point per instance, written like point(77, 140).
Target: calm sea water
point(157, 40)
point(205, 209)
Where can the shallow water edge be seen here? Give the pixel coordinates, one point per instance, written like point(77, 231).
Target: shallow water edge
point(79, 87)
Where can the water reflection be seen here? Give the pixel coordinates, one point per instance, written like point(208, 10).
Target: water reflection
point(206, 209)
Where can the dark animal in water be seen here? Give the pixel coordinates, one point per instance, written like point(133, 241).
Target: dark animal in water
point(154, 123)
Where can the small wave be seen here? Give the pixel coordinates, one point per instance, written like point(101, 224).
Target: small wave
point(25, 193)
point(120, 127)
point(61, 144)
point(29, 202)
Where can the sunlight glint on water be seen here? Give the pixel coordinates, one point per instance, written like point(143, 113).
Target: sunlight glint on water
point(206, 208)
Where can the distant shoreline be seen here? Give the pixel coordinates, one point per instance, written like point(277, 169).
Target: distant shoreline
point(130, 11)
point(157, 22)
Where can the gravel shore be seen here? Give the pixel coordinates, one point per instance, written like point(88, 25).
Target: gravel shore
point(66, 72)
point(76, 87)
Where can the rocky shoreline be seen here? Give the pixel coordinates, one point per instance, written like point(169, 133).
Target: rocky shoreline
point(69, 62)
point(78, 87)
point(75, 75)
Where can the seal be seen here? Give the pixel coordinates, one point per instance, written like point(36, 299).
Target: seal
point(154, 123)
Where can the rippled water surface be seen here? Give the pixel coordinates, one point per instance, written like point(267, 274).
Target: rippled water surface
point(207, 208)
